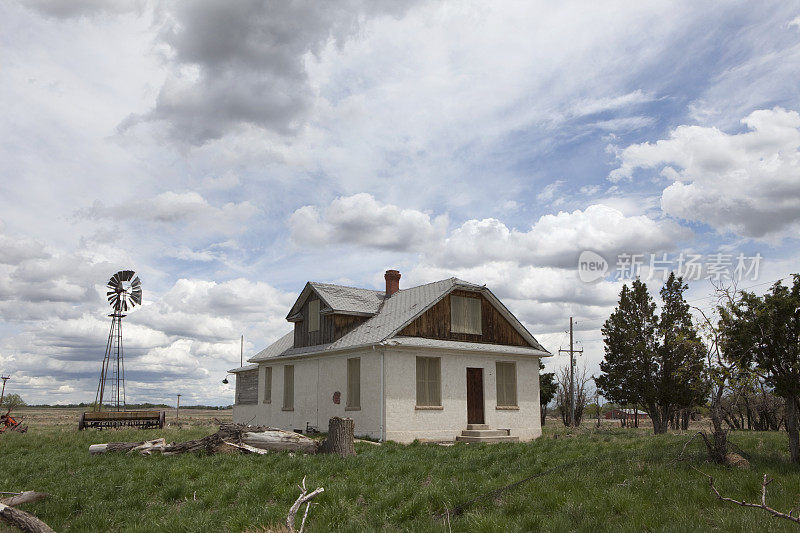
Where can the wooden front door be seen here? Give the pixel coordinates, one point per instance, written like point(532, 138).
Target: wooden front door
point(475, 396)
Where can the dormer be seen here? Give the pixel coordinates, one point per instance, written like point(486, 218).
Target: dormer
point(324, 313)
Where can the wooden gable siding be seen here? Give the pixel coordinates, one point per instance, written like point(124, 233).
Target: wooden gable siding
point(331, 327)
point(247, 387)
point(435, 324)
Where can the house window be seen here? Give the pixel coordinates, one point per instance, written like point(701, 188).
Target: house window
point(288, 388)
point(465, 315)
point(313, 316)
point(429, 381)
point(247, 387)
point(506, 384)
point(268, 385)
point(354, 382)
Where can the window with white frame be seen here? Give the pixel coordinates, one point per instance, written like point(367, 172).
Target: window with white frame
point(288, 387)
point(429, 382)
point(506, 384)
point(313, 315)
point(354, 382)
point(465, 315)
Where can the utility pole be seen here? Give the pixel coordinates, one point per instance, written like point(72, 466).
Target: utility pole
point(178, 408)
point(241, 353)
point(3, 394)
point(572, 351)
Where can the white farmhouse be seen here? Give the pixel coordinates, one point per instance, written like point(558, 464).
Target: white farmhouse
point(439, 361)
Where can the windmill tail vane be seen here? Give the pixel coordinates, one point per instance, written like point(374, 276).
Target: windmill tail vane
point(124, 293)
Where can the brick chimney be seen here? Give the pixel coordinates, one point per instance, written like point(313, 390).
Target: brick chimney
point(392, 281)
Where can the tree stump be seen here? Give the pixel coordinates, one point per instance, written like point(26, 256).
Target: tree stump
point(340, 437)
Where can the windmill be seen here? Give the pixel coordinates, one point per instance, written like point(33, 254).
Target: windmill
point(125, 292)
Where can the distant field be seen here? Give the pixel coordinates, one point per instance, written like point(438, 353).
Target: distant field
point(67, 418)
point(614, 480)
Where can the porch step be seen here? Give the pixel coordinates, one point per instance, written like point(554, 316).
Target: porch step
point(488, 440)
point(484, 433)
point(481, 433)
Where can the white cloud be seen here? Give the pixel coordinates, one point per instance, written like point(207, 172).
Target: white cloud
point(554, 240)
point(557, 240)
point(746, 183)
point(363, 220)
point(549, 192)
point(170, 207)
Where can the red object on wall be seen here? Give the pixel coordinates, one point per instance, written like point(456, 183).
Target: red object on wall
point(337, 397)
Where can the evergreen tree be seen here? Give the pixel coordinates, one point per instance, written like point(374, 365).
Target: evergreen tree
point(763, 333)
point(547, 390)
point(630, 344)
point(654, 362)
point(680, 361)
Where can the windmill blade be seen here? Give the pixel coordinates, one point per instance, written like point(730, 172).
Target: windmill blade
point(136, 297)
point(115, 279)
point(127, 275)
point(136, 283)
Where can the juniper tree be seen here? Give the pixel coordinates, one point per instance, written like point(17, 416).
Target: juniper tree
point(547, 390)
point(630, 344)
point(656, 362)
point(763, 333)
point(680, 356)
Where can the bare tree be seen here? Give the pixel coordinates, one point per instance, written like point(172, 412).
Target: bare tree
point(563, 394)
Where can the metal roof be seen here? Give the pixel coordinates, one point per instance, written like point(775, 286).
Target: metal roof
point(391, 316)
point(244, 368)
point(340, 299)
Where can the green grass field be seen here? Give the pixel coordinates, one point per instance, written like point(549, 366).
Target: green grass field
point(625, 480)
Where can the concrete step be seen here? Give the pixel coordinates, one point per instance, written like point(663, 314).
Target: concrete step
point(487, 440)
point(485, 433)
point(477, 426)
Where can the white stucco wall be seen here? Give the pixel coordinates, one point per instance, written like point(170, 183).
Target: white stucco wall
point(405, 422)
point(316, 379)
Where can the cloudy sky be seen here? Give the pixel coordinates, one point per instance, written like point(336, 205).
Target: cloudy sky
point(230, 151)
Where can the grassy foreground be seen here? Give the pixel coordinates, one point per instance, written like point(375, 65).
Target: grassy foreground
point(626, 480)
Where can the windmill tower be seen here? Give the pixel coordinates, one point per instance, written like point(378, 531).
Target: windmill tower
point(125, 292)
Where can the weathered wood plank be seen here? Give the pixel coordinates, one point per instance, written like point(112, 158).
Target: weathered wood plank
point(435, 324)
point(247, 387)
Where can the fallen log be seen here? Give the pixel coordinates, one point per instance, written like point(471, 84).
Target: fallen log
point(279, 441)
point(28, 496)
point(22, 520)
point(262, 438)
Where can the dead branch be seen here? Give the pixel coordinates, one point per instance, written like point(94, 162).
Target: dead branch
point(246, 448)
point(305, 497)
point(27, 496)
point(698, 434)
point(22, 520)
point(763, 505)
